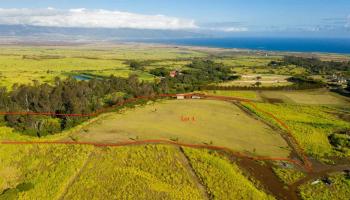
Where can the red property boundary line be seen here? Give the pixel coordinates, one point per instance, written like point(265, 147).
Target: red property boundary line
point(301, 152)
point(307, 164)
point(103, 110)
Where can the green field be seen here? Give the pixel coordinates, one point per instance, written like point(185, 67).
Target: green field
point(310, 125)
point(85, 172)
point(130, 173)
point(224, 180)
point(266, 80)
point(43, 64)
point(311, 97)
point(301, 97)
point(339, 188)
point(38, 172)
point(288, 175)
point(210, 122)
point(251, 95)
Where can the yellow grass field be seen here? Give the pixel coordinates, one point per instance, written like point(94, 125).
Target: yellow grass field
point(312, 97)
point(191, 121)
point(32, 172)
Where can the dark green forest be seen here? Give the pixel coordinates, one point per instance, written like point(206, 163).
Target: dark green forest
point(314, 65)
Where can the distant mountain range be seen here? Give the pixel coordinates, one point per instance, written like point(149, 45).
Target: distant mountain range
point(81, 34)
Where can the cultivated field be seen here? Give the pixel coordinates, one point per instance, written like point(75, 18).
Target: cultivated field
point(190, 121)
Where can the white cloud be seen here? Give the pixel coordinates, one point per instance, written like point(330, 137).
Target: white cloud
point(234, 29)
point(227, 29)
point(91, 19)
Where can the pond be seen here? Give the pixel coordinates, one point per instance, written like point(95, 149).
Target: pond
point(85, 77)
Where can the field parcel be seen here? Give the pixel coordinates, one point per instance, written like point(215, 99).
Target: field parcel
point(85, 172)
point(216, 123)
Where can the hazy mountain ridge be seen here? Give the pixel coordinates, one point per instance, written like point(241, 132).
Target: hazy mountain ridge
point(57, 33)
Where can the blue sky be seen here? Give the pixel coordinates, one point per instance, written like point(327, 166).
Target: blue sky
point(317, 17)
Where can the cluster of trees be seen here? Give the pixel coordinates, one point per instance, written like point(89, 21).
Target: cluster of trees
point(160, 72)
point(197, 74)
point(313, 65)
point(340, 140)
point(65, 96)
point(138, 65)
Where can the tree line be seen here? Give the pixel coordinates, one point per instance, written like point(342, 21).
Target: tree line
point(65, 96)
point(313, 65)
point(196, 75)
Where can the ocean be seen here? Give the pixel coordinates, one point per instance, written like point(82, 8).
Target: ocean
point(323, 45)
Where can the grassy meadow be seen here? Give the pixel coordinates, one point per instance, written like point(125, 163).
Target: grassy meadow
point(38, 171)
point(288, 175)
point(86, 172)
point(267, 80)
point(339, 188)
point(307, 97)
point(223, 179)
point(190, 121)
point(320, 97)
point(310, 125)
point(251, 95)
point(130, 173)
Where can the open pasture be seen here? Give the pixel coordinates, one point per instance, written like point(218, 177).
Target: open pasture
point(310, 97)
point(247, 61)
point(244, 94)
point(189, 121)
point(309, 124)
point(266, 80)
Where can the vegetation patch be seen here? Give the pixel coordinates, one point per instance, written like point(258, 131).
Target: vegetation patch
point(288, 174)
point(310, 125)
point(308, 97)
point(337, 186)
point(251, 95)
point(38, 171)
point(137, 172)
point(223, 179)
